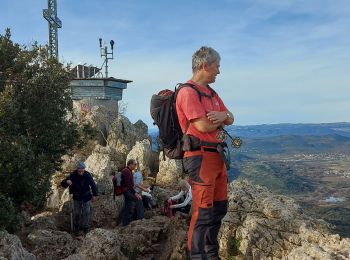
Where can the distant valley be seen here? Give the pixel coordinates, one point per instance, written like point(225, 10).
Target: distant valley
point(308, 162)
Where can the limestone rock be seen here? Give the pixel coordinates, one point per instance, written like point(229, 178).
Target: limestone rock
point(69, 162)
point(102, 118)
point(176, 245)
point(54, 198)
point(44, 220)
point(141, 127)
point(141, 152)
point(101, 163)
point(170, 171)
point(156, 238)
point(99, 244)
point(160, 194)
point(123, 136)
point(261, 225)
point(106, 211)
point(51, 244)
point(11, 248)
point(139, 235)
point(57, 197)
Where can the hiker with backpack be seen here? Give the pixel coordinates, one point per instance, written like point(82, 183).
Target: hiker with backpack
point(130, 194)
point(191, 123)
point(201, 120)
point(81, 183)
point(182, 201)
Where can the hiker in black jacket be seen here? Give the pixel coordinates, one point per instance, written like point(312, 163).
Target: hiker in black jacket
point(81, 183)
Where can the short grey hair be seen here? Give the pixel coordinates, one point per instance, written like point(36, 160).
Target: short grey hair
point(205, 55)
point(131, 162)
point(184, 184)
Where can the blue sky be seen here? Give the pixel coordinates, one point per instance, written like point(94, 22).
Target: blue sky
point(282, 61)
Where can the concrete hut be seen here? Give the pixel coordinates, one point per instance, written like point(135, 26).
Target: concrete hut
point(88, 90)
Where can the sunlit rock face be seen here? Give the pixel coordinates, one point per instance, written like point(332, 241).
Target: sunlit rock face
point(11, 248)
point(170, 171)
point(141, 152)
point(261, 225)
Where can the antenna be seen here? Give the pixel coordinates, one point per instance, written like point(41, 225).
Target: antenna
point(50, 15)
point(107, 55)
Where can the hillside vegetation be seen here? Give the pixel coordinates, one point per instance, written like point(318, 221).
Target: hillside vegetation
point(35, 130)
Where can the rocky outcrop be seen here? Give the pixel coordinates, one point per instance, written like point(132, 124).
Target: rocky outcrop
point(318, 245)
point(258, 225)
point(51, 244)
point(101, 163)
point(106, 157)
point(141, 152)
point(170, 171)
point(44, 220)
point(102, 118)
point(261, 225)
point(141, 127)
point(99, 244)
point(162, 194)
point(176, 245)
point(123, 136)
point(106, 211)
point(57, 198)
point(156, 238)
point(11, 248)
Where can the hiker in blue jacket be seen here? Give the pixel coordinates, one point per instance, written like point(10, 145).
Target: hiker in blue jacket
point(81, 183)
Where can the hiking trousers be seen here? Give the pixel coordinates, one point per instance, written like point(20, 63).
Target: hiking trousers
point(81, 215)
point(208, 179)
point(127, 211)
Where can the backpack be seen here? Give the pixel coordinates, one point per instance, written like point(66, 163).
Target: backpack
point(163, 112)
point(117, 187)
point(167, 211)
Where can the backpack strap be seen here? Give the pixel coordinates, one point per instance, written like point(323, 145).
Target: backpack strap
point(212, 91)
point(200, 93)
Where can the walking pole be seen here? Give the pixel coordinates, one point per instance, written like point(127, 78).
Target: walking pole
point(71, 213)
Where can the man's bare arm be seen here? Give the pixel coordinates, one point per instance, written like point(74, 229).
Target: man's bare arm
point(223, 117)
point(204, 125)
point(230, 118)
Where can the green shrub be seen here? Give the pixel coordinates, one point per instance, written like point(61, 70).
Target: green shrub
point(233, 245)
point(35, 131)
point(8, 214)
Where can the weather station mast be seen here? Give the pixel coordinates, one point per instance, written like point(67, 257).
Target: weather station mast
point(50, 15)
point(107, 55)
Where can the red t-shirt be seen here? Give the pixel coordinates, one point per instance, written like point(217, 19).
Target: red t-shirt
point(188, 107)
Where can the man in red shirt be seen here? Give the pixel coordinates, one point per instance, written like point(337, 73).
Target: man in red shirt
point(202, 119)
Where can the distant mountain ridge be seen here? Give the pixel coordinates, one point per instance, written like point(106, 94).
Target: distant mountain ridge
point(268, 130)
point(280, 138)
point(252, 131)
point(293, 144)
